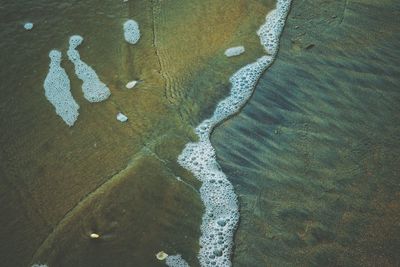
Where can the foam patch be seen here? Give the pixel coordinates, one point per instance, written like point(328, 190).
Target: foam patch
point(58, 90)
point(234, 51)
point(28, 26)
point(131, 31)
point(93, 89)
point(221, 215)
point(176, 261)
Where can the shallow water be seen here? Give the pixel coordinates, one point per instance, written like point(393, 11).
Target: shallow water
point(314, 154)
point(59, 184)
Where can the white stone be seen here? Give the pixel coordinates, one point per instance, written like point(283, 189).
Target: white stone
point(121, 117)
point(58, 90)
point(131, 31)
point(28, 26)
point(94, 235)
point(131, 84)
point(234, 51)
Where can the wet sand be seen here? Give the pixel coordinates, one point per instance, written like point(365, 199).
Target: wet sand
point(59, 184)
point(314, 154)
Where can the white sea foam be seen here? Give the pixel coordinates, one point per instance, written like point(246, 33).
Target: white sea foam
point(39, 265)
point(93, 89)
point(131, 31)
point(176, 261)
point(58, 90)
point(234, 51)
point(221, 215)
point(28, 26)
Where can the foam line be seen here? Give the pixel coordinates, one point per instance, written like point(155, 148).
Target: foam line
point(58, 90)
point(221, 215)
point(93, 89)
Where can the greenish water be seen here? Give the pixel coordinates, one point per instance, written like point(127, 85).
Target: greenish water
point(60, 184)
point(314, 156)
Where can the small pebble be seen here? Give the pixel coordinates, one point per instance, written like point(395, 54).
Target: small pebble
point(94, 236)
point(131, 84)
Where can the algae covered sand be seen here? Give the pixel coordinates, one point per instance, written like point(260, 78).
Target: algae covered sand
point(59, 185)
point(314, 156)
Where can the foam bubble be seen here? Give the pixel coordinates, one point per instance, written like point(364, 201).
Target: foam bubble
point(234, 51)
point(176, 261)
point(58, 90)
point(28, 26)
point(221, 215)
point(39, 265)
point(131, 31)
point(93, 89)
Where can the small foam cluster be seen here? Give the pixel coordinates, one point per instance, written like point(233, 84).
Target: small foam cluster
point(131, 31)
point(176, 261)
point(221, 215)
point(234, 51)
point(28, 26)
point(58, 90)
point(93, 89)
